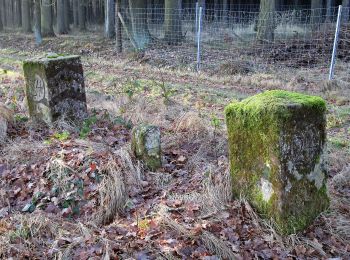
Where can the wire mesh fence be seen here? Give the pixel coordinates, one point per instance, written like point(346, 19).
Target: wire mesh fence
point(238, 41)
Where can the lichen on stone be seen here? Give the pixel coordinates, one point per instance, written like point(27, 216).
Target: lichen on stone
point(146, 145)
point(55, 88)
point(276, 139)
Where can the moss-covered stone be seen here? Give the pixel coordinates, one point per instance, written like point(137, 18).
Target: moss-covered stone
point(55, 88)
point(277, 144)
point(146, 146)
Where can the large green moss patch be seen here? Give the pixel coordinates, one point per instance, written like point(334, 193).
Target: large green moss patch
point(276, 145)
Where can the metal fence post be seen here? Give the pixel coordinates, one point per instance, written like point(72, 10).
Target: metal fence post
point(335, 45)
point(196, 25)
point(199, 38)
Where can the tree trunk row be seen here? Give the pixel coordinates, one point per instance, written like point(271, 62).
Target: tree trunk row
point(1, 25)
point(109, 19)
point(20, 13)
point(47, 18)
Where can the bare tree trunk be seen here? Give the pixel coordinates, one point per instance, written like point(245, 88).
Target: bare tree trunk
point(296, 4)
point(26, 19)
point(329, 4)
point(75, 13)
point(225, 10)
point(346, 6)
point(2, 13)
point(118, 28)
point(279, 5)
point(1, 25)
point(316, 12)
point(47, 18)
point(109, 19)
point(266, 23)
point(172, 21)
point(11, 13)
point(17, 13)
point(138, 12)
point(81, 15)
point(100, 19)
point(37, 22)
point(237, 10)
point(67, 19)
point(94, 10)
point(88, 12)
point(216, 10)
point(61, 28)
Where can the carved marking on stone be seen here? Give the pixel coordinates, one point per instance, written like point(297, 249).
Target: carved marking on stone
point(76, 86)
point(317, 175)
point(266, 189)
point(39, 89)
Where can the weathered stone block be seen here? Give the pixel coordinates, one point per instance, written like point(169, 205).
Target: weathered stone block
point(6, 119)
point(277, 145)
point(146, 145)
point(55, 88)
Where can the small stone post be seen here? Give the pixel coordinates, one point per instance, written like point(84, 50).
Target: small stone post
point(146, 146)
point(55, 88)
point(277, 147)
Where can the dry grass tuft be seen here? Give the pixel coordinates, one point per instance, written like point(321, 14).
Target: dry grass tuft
point(200, 158)
point(216, 193)
point(221, 248)
point(263, 81)
point(339, 184)
point(342, 227)
point(113, 195)
point(258, 222)
point(60, 175)
point(161, 180)
point(32, 231)
point(337, 159)
point(3, 129)
point(315, 245)
point(192, 124)
point(132, 172)
point(340, 203)
point(23, 151)
point(266, 227)
point(76, 237)
point(23, 236)
point(145, 110)
point(120, 176)
point(101, 101)
point(64, 124)
point(6, 118)
point(166, 220)
point(219, 189)
point(6, 113)
point(235, 67)
point(207, 206)
point(91, 146)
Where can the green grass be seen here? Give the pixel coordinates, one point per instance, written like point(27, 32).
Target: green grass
point(337, 116)
point(339, 143)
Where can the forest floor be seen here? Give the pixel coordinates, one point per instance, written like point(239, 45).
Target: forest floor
point(60, 187)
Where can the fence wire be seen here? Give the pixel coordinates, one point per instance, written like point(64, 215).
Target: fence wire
point(239, 41)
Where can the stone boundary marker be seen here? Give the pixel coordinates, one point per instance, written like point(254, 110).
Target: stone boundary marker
point(277, 146)
point(146, 145)
point(55, 88)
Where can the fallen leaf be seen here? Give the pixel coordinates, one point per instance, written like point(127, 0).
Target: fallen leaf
point(181, 159)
